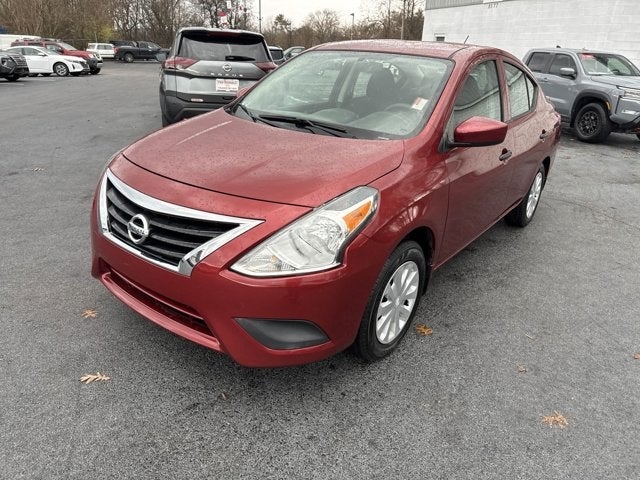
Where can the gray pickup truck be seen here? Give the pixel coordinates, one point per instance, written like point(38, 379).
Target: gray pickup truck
point(595, 92)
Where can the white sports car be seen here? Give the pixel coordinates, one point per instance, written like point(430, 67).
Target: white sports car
point(45, 62)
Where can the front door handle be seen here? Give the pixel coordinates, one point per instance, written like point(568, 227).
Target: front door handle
point(506, 155)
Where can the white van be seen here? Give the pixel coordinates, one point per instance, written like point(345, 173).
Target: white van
point(6, 39)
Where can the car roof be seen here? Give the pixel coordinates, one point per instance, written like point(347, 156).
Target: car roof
point(221, 31)
point(412, 47)
point(571, 50)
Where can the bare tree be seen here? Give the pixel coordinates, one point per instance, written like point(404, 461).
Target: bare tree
point(325, 25)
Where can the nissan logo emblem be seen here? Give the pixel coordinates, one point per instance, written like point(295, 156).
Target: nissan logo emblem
point(138, 228)
point(226, 67)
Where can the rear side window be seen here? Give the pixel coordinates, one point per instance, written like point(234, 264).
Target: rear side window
point(538, 61)
point(521, 90)
point(239, 48)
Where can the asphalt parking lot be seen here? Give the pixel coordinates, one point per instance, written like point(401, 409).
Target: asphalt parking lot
point(526, 324)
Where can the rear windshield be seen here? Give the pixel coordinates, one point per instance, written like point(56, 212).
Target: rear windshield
point(240, 48)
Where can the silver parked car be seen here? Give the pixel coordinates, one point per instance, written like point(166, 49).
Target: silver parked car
point(206, 67)
point(595, 92)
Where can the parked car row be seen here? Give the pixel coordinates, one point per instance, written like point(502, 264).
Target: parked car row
point(46, 62)
point(93, 60)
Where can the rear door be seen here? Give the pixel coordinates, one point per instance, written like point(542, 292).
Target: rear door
point(223, 62)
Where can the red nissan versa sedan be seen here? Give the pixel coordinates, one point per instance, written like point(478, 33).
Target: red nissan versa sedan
point(307, 215)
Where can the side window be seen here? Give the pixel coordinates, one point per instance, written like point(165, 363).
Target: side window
point(479, 96)
point(143, 44)
point(538, 61)
point(561, 61)
point(521, 90)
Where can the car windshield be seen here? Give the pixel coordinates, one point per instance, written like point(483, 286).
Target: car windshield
point(351, 94)
point(66, 46)
point(607, 64)
point(214, 46)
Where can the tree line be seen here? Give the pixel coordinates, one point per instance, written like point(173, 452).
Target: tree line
point(84, 21)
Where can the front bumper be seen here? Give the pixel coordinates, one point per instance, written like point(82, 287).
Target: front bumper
point(626, 118)
point(213, 304)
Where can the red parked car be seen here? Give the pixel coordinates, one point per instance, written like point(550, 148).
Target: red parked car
point(308, 215)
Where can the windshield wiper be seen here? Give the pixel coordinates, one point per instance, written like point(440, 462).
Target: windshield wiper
point(308, 124)
point(247, 112)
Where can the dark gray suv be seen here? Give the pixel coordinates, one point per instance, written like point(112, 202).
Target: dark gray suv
point(206, 67)
point(595, 92)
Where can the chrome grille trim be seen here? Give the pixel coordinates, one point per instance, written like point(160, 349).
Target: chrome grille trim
point(186, 264)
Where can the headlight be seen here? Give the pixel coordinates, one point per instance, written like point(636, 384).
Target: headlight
point(631, 93)
point(314, 242)
point(76, 61)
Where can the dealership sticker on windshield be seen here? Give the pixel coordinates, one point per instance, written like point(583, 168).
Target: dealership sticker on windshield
point(227, 84)
point(419, 103)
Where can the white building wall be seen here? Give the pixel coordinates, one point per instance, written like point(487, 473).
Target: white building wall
point(519, 25)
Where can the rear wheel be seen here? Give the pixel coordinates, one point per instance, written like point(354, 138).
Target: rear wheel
point(13, 78)
point(128, 57)
point(95, 71)
point(592, 123)
point(523, 213)
point(393, 303)
point(60, 69)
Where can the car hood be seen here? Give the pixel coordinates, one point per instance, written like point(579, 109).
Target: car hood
point(617, 80)
point(222, 153)
point(68, 58)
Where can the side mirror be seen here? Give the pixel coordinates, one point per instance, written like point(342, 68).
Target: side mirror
point(568, 72)
point(479, 132)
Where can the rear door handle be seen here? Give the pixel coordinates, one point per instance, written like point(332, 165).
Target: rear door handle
point(506, 155)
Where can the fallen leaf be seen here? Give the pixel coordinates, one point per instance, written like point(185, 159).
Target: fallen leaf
point(88, 313)
point(223, 396)
point(557, 419)
point(637, 356)
point(98, 377)
point(423, 330)
point(522, 369)
point(37, 169)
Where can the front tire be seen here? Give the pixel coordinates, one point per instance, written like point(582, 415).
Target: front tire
point(526, 209)
point(13, 78)
point(95, 71)
point(393, 303)
point(592, 124)
point(61, 69)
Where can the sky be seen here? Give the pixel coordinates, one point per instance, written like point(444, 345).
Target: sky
point(297, 10)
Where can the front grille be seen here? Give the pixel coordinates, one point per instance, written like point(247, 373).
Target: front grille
point(19, 60)
point(170, 237)
point(177, 312)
